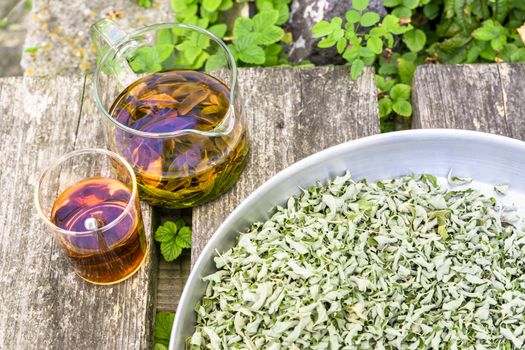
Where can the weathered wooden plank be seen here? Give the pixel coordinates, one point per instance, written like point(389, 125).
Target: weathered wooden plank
point(484, 97)
point(44, 304)
point(291, 113)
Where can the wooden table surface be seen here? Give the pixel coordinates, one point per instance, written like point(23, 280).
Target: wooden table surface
point(291, 113)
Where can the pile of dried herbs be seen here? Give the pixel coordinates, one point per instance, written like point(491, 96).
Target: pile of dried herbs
point(399, 264)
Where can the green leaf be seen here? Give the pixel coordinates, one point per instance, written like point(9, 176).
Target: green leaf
point(341, 45)
point(321, 28)
point(166, 231)
point(170, 250)
point(265, 19)
point(326, 42)
point(403, 108)
point(415, 40)
point(32, 49)
point(375, 44)
point(473, 53)
point(406, 70)
point(226, 5)
point(252, 54)
point(357, 68)
point(431, 10)
point(211, 5)
point(159, 346)
point(144, 3)
point(216, 61)
point(498, 43)
point(392, 3)
point(390, 23)
point(352, 16)
point(270, 35)
point(369, 19)
point(366, 52)
point(219, 30)
point(242, 26)
point(488, 31)
point(351, 53)
point(518, 55)
point(402, 12)
point(184, 237)
point(411, 4)
point(359, 5)
point(400, 92)
point(385, 107)
point(148, 59)
point(163, 325)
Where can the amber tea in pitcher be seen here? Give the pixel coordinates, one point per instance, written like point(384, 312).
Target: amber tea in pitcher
point(189, 169)
point(170, 111)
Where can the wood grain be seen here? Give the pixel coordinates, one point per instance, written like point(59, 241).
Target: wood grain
point(44, 304)
point(482, 97)
point(291, 113)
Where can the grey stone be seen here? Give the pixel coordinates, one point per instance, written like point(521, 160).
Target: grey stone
point(305, 14)
point(60, 30)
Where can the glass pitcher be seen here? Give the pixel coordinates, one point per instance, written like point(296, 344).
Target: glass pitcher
point(167, 93)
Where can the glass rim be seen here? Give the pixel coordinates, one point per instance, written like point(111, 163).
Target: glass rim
point(128, 37)
point(72, 154)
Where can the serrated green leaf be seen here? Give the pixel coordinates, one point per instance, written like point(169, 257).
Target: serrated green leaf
point(216, 61)
point(488, 31)
point(322, 28)
point(359, 5)
point(243, 26)
point(219, 30)
point(473, 53)
point(351, 53)
point(166, 232)
point(170, 250)
point(411, 4)
point(377, 31)
point(415, 40)
point(165, 37)
point(402, 107)
point(184, 237)
point(163, 325)
point(270, 35)
point(400, 92)
point(211, 5)
point(385, 107)
point(390, 22)
point(356, 68)
point(252, 54)
point(369, 19)
point(375, 44)
point(265, 19)
point(148, 59)
point(352, 16)
point(341, 45)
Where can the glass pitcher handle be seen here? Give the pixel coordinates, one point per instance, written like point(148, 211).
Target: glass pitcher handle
point(107, 35)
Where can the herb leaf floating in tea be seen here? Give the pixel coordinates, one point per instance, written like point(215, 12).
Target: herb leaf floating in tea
point(397, 264)
point(173, 237)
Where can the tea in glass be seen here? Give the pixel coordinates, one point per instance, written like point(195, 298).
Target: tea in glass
point(89, 201)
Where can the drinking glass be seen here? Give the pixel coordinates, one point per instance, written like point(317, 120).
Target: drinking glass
point(167, 93)
point(89, 202)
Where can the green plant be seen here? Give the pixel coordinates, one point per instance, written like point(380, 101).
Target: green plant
point(163, 324)
point(422, 31)
point(252, 41)
point(173, 237)
point(145, 3)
